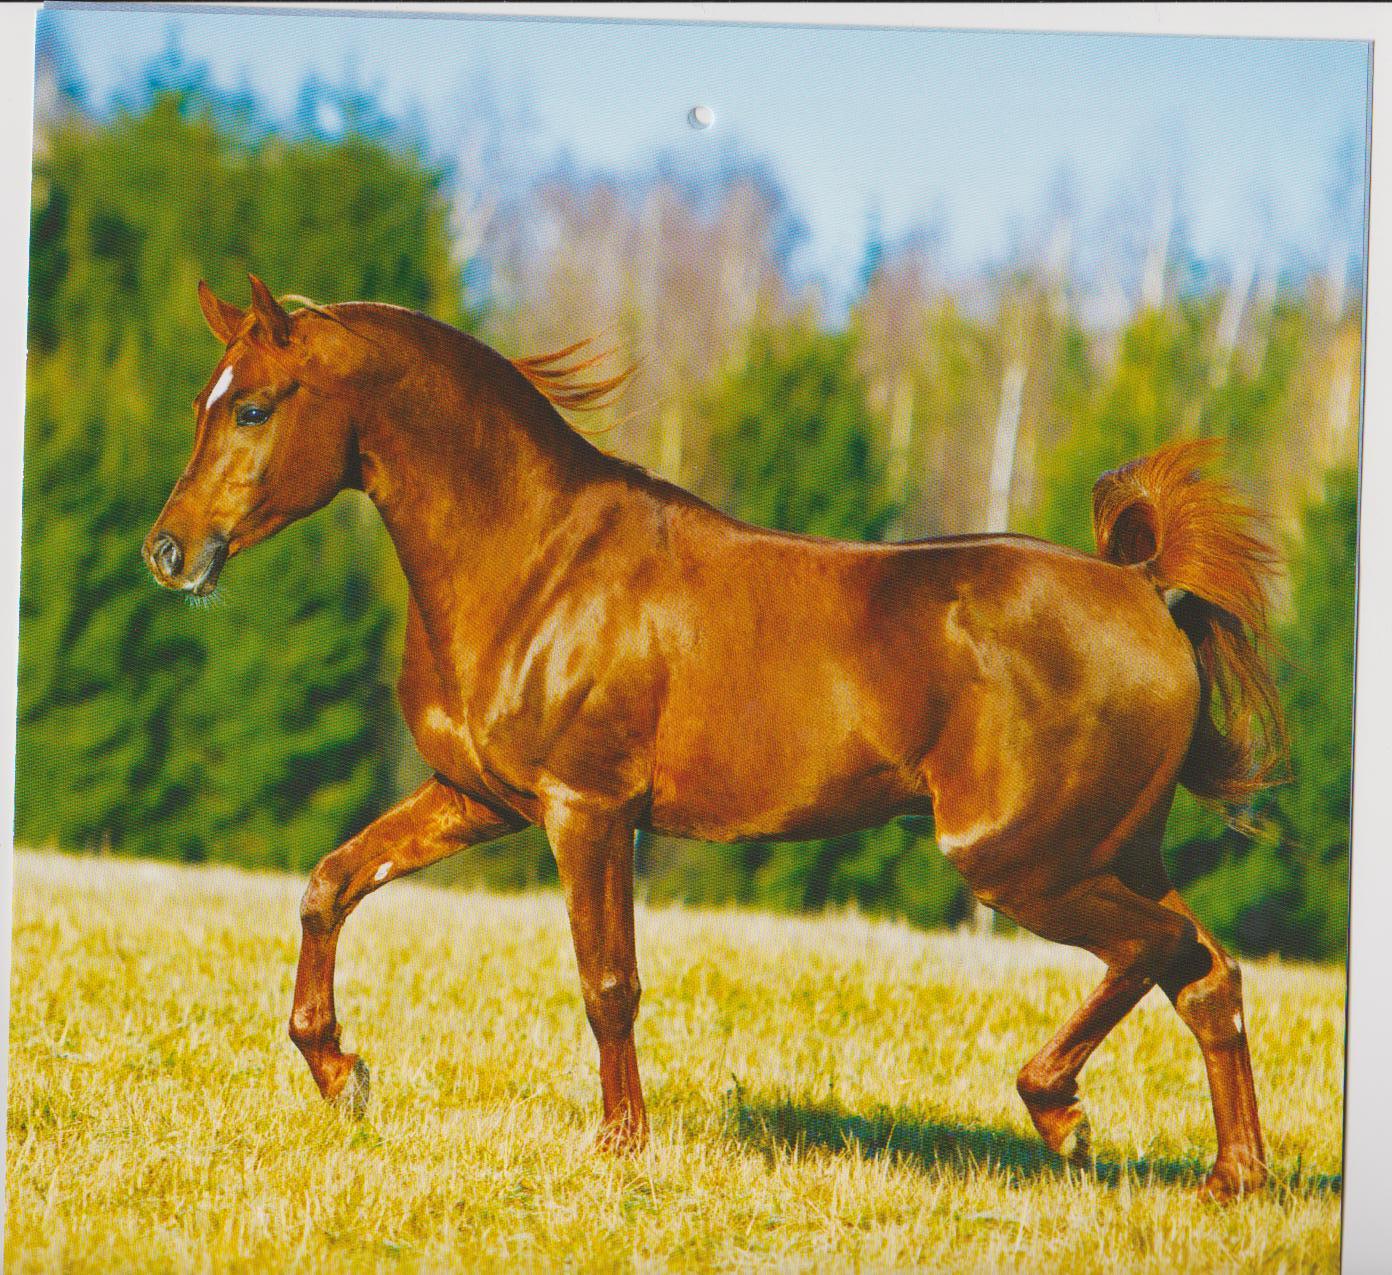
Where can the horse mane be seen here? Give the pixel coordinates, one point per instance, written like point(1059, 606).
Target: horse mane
point(565, 385)
point(305, 303)
point(323, 311)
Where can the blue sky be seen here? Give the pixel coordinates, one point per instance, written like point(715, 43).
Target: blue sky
point(969, 129)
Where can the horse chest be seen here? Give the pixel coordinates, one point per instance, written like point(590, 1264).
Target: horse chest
point(504, 726)
point(434, 717)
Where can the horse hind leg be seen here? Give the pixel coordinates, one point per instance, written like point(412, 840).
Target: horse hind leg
point(1138, 940)
point(1205, 986)
point(1146, 935)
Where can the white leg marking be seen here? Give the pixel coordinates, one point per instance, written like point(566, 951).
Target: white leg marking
point(381, 873)
point(1237, 1022)
point(951, 842)
point(219, 389)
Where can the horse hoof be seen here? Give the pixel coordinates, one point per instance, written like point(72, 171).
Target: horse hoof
point(352, 1098)
point(1066, 1132)
point(1076, 1145)
point(621, 1138)
point(1230, 1182)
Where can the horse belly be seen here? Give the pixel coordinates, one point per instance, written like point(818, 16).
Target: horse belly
point(810, 755)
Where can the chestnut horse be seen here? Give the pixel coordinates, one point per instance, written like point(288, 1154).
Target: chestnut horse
point(595, 650)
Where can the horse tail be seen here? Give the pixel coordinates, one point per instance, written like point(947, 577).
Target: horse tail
point(1200, 544)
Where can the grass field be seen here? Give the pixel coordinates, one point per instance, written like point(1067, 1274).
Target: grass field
point(825, 1093)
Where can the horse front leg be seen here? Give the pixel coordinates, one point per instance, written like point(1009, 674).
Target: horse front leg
point(431, 824)
point(594, 854)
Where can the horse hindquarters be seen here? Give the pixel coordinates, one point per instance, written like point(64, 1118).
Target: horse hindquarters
point(1057, 819)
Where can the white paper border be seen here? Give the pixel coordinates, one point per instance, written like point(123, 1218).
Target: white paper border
point(1367, 1243)
point(16, 159)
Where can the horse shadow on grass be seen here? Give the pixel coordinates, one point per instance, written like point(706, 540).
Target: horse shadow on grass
point(768, 1124)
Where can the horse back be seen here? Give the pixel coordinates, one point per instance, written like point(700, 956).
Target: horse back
point(815, 685)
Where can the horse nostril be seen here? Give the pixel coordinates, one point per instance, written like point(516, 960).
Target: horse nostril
point(167, 554)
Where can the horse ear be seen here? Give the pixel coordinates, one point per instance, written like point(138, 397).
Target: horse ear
point(223, 317)
point(269, 312)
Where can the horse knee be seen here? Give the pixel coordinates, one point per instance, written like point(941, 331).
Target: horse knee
point(611, 1005)
point(320, 912)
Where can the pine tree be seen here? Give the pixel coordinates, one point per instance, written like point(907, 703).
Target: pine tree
point(255, 730)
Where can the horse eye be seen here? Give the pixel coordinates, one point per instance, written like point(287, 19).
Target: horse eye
point(249, 414)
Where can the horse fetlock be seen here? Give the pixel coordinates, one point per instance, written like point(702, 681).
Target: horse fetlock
point(623, 1132)
point(312, 1029)
point(1233, 1176)
point(1052, 1103)
point(1042, 1090)
point(1065, 1129)
point(316, 1036)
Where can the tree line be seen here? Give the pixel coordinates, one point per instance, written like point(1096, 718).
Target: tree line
point(263, 730)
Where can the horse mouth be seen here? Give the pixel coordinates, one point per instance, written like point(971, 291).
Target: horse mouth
point(204, 577)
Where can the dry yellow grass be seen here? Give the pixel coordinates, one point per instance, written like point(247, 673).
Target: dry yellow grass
point(826, 1093)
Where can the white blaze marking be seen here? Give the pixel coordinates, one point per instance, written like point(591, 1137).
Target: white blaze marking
point(381, 874)
point(1237, 1022)
point(219, 389)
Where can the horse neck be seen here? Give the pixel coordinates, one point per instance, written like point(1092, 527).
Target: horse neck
point(469, 467)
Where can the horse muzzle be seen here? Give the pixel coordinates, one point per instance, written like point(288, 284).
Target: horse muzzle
point(169, 564)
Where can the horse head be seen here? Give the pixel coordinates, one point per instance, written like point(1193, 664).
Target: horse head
point(274, 438)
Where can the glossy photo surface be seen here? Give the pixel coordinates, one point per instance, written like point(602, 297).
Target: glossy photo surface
point(868, 575)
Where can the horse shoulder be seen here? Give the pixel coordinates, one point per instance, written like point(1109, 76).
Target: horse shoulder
point(565, 694)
